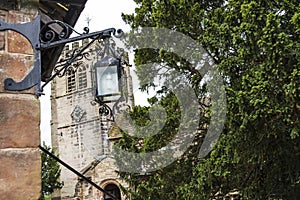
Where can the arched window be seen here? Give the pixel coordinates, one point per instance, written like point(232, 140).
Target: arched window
point(71, 83)
point(114, 190)
point(82, 77)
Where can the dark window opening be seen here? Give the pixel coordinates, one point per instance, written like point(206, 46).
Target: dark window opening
point(82, 78)
point(114, 190)
point(71, 83)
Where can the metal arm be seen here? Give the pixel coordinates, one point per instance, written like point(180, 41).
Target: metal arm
point(45, 38)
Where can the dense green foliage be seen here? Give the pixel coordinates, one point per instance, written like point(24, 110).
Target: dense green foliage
point(256, 45)
point(50, 173)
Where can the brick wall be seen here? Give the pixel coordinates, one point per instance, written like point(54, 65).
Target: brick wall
point(20, 161)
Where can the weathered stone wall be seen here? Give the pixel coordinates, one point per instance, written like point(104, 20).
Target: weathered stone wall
point(20, 161)
point(101, 172)
point(75, 127)
point(79, 133)
point(105, 174)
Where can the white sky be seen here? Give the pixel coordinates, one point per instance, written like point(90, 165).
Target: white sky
point(102, 15)
point(105, 14)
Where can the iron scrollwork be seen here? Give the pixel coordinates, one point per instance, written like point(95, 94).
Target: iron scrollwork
point(54, 33)
point(104, 109)
point(48, 35)
point(117, 108)
point(107, 46)
point(50, 39)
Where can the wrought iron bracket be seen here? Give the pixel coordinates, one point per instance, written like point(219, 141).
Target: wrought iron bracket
point(30, 31)
point(118, 107)
point(45, 38)
point(104, 109)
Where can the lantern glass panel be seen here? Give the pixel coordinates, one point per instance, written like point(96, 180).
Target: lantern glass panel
point(108, 88)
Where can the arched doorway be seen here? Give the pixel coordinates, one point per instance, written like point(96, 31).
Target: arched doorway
point(112, 189)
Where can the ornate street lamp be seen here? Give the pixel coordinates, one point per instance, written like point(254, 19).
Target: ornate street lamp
point(108, 79)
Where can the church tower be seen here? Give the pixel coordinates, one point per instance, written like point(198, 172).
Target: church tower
point(83, 130)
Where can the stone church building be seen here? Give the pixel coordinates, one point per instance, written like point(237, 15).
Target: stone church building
point(81, 135)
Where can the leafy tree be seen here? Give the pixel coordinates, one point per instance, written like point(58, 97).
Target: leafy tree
point(50, 173)
point(256, 46)
point(149, 184)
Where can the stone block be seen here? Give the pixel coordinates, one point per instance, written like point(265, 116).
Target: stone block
point(2, 41)
point(20, 118)
point(17, 43)
point(15, 66)
point(20, 174)
point(3, 16)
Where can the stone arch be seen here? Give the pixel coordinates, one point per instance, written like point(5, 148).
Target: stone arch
point(112, 186)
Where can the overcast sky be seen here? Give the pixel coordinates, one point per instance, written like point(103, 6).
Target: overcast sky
point(101, 15)
point(105, 14)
